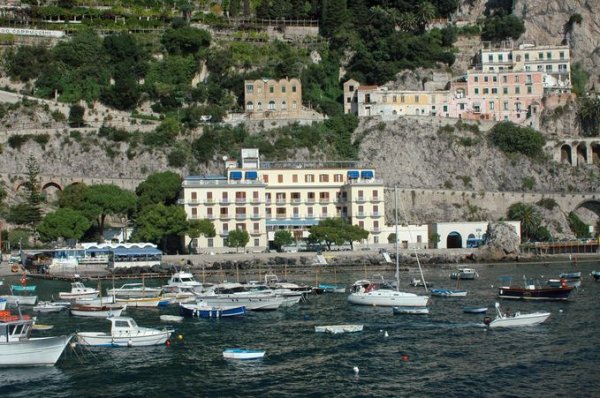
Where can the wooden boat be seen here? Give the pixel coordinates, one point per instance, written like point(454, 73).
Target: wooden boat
point(18, 348)
point(515, 320)
point(134, 290)
point(104, 311)
point(78, 291)
point(337, 329)
point(474, 310)
point(531, 291)
point(124, 332)
point(464, 273)
point(99, 301)
point(411, 310)
point(240, 353)
point(48, 306)
point(205, 311)
point(142, 302)
point(448, 292)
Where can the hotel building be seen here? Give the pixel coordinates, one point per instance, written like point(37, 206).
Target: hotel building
point(265, 98)
point(263, 197)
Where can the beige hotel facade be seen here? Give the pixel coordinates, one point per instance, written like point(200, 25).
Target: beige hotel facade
point(263, 197)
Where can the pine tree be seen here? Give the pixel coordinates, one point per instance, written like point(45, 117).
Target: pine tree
point(33, 196)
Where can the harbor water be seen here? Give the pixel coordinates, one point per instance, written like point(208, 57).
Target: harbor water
point(446, 353)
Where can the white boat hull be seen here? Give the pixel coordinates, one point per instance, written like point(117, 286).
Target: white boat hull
point(520, 320)
point(388, 298)
point(411, 310)
point(21, 300)
point(254, 303)
point(141, 302)
point(43, 351)
point(124, 339)
point(98, 314)
point(95, 301)
point(243, 354)
point(337, 329)
point(76, 296)
point(134, 293)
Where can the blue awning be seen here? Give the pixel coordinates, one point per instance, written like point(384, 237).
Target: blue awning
point(235, 175)
point(353, 174)
point(251, 175)
point(136, 251)
point(292, 222)
point(367, 174)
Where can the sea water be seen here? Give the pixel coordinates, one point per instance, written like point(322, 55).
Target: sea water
point(446, 353)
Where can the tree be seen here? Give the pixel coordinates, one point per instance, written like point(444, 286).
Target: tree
point(76, 114)
point(106, 199)
point(511, 138)
point(64, 223)
point(31, 212)
point(589, 116)
point(579, 228)
point(196, 228)
point(337, 231)
point(162, 187)
point(500, 27)
point(425, 13)
point(156, 222)
point(185, 40)
point(530, 219)
point(238, 238)
point(333, 16)
point(72, 196)
point(281, 238)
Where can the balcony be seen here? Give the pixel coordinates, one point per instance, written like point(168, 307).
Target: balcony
point(224, 233)
point(255, 232)
point(375, 230)
point(268, 201)
point(310, 200)
point(376, 214)
point(193, 202)
point(209, 202)
point(296, 215)
point(255, 200)
point(280, 201)
point(360, 214)
point(296, 200)
point(310, 216)
point(224, 201)
point(241, 216)
point(281, 216)
point(375, 199)
point(323, 200)
point(255, 216)
point(240, 201)
point(210, 217)
point(360, 199)
point(224, 216)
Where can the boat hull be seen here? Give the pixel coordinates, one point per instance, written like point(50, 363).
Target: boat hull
point(43, 351)
point(201, 311)
point(141, 302)
point(520, 320)
point(475, 310)
point(337, 329)
point(389, 298)
point(448, 293)
point(97, 312)
point(76, 296)
point(21, 300)
point(254, 303)
point(236, 353)
point(543, 293)
point(411, 310)
point(123, 339)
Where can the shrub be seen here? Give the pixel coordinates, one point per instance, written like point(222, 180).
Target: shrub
point(511, 138)
point(76, 114)
point(547, 203)
point(58, 116)
point(528, 183)
point(16, 141)
point(579, 228)
point(41, 139)
point(76, 135)
point(177, 158)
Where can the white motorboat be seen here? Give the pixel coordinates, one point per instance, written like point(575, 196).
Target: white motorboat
point(48, 306)
point(515, 320)
point(290, 296)
point(104, 311)
point(182, 288)
point(124, 332)
point(13, 299)
point(337, 329)
point(239, 353)
point(464, 273)
point(365, 292)
point(134, 290)
point(273, 282)
point(171, 318)
point(79, 291)
point(143, 302)
point(228, 294)
point(411, 310)
point(17, 348)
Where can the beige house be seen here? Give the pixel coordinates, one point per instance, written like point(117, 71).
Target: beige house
point(265, 98)
point(263, 197)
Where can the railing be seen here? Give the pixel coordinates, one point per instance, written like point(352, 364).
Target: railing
point(360, 214)
point(224, 201)
point(240, 200)
point(375, 199)
point(375, 214)
point(281, 216)
point(255, 232)
point(240, 216)
point(224, 233)
point(360, 199)
point(296, 200)
point(255, 216)
point(280, 201)
point(375, 230)
point(323, 200)
point(310, 216)
point(209, 202)
point(310, 201)
point(224, 216)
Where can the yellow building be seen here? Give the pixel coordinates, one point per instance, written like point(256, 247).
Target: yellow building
point(265, 98)
point(262, 198)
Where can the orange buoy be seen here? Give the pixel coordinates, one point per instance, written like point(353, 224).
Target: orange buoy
point(405, 357)
point(168, 343)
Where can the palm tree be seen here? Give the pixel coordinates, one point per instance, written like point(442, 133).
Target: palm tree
point(425, 13)
point(407, 22)
point(530, 218)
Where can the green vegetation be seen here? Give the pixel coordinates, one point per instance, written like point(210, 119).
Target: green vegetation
point(531, 228)
point(336, 231)
point(238, 238)
point(579, 228)
point(502, 26)
point(162, 187)
point(588, 116)
point(579, 79)
point(528, 183)
point(511, 138)
point(64, 223)
point(547, 203)
point(157, 222)
point(282, 238)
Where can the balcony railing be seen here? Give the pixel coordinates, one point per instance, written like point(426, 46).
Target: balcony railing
point(360, 214)
point(310, 200)
point(209, 202)
point(255, 216)
point(280, 201)
point(210, 216)
point(323, 200)
point(310, 216)
point(240, 216)
point(281, 216)
point(296, 200)
point(255, 200)
point(255, 232)
point(224, 233)
point(375, 230)
point(375, 199)
point(240, 200)
point(376, 214)
point(224, 201)
point(360, 199)
point(296, 215)
point(193, 201)
point(224, 216)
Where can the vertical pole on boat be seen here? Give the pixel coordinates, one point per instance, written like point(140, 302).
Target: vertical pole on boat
point(396, 238)
point(237, 272)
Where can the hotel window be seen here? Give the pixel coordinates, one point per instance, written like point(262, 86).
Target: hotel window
point(255, 212)
point(486, 91)
point(294, 105)
point(224, 197)
point(324, 197)
point(280, 197)
point(394, 98)
point(494, 91)
point(384, 99)
point(209, 197)
point(402, 98)
point(249, 88)
point(491, 58)
point(194, 196)
point(311, 197)
point(240, 227)
point(323, 177)
point(475, 79)
point(505, 90)
point(375, 225)
point(338, 178)
point(416, 98)
point(281, 213)
point(283, 89)
point(494, 78)
point(476, 91)
point(268, 212)
point(223, 212)
point(361, 210)
point(518, 106)
point(527, 68)
point(283, 105)
point(529, 90)
point(210, 242)
point(562, 55)
point(194, 212)
point(271, 105)
point(445, 108)
point(349, 100)
point(209, 213)
point(271, 89)
point(324, 212)
point(548, 68)
point(540, 55)
point(255, 196)
point(350, 88)
point(548, 55)
point(461, 106)
point(256, 227)
point(526, 56)
point(485, 79)
point(294, 177)
point(517, 78)
point(528, 79)
point(375, 210)
point(295, 212)
point(375, 195)
point(491, 105)
point(500, 57)
point(266, 178)
point(309, 178)
point(280, 178)
point(540, 68)
point(309, 212)
point(249, 105)
point(256, 242)
point(294, 89)
point(361, 224)
point(259, 106)
point(517, 90)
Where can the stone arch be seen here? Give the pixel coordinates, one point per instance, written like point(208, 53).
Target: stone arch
point(588, 208)
point(454, 240)
point(582, 153)
point(595, 146)
point(565, 154)
point(50, 189)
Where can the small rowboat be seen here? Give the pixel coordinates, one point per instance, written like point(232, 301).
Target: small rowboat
point(240, 353)
point(411, 310)
point(337, 329)
point(171, 318)
point(474, 310)
point(23, 288)
point(41, 327)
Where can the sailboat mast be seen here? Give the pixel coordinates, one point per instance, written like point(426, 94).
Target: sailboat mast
point(396, 239)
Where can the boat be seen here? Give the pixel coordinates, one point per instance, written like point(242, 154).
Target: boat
point(103, 311)
point(182, 288)
point(171, 318)
point(240, 353)
point(143, 302)
point(337, 329)
point(554, 282)
point(416, 282)
point(95, 301)
point(273, 282)
point(228, 294)
point(79, 291)
point(40, 327)
point(18, 348)
point(48, 306)
point(448, 292)
point(515, 320)
point(474, 310)
point(411, 310)
point(134, 290)
point(124, 332)
point(204, 311)
point(595, 275)
point(332, 288)
point(23, 288)
point(3, 303)
point(533, 291)
point(15, 299)
point(464, 273)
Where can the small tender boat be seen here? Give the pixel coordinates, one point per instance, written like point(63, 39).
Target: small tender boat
point(448, 292)
point(78, 291)
point(48, 306)
point(23, 288)
point(239, 353)
point(419, 283)
point(464, 273)
point(331, 288)
point(104, 311)
point(411, 310)
point(171, 318)
point(40, 327)
point(474, 310)
point(134, 290)
point(595, 275)
point(515, 320)
point(205, 311)
point(337, 329)
point(124, 332)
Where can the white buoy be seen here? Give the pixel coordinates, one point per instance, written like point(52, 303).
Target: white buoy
point(386, 334)
point(560, 310)
point(355, 370)
point(492, 286)
point(380, 330)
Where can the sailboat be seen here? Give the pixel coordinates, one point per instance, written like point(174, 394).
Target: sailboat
point(365, 292)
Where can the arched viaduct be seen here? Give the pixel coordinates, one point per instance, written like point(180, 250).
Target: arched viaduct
point(576, 151)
